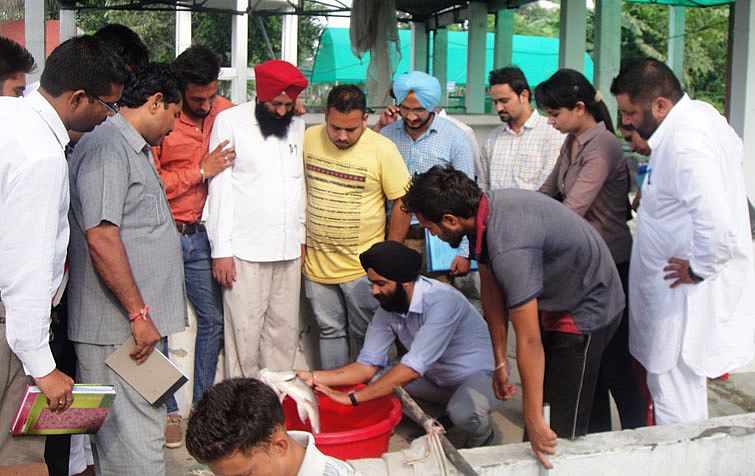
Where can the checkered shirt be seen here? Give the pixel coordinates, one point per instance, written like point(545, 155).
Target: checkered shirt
point(524, 160)
point(443, 143)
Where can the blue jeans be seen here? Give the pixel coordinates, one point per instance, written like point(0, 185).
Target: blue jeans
point(171, 405)
point(340, 310)
point(204, 294)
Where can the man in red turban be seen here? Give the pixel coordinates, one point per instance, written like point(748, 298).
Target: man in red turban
point(255, 222)
point(278, 77)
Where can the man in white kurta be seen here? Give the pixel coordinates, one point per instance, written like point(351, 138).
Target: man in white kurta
point(691, 283)
point(255, 222)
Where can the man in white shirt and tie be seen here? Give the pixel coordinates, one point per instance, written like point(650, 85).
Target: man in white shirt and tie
point(82, 79)
point(255, 219)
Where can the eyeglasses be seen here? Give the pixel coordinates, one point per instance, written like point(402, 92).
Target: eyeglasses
point(112, 108)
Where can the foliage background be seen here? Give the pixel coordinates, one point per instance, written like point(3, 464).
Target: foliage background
point(644, 32)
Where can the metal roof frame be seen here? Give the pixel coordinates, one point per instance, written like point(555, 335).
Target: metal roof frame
point(256, 7)
point(418, 10)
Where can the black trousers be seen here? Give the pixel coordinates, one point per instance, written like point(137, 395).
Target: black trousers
point(572, 366)
point(58, 447)
point(618, 375)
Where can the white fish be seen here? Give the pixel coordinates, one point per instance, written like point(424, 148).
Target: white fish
point(287, 383)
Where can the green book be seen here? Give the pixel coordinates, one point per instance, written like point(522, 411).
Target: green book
point(91, 404)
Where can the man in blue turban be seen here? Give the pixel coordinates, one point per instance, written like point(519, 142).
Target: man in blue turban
point(425, 88)
point(424, 140)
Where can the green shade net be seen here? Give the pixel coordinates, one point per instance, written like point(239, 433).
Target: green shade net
point(335, 63)
point(686, 3)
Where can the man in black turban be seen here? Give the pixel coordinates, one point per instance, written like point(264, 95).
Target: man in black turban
point(449, 359)
point(394, 262)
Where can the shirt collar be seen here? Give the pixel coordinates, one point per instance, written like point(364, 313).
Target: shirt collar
point(667, 124)
point(420, 285)
point(253, 103)
point(50, 116)
point(483, 210)
point(185, 120)
point(530, 123)
point(590, 133)
point(133, 138)
point(314, 461)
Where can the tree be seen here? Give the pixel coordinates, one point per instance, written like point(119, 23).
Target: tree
point(157, 29)
point(213, 29)
point(645, 34)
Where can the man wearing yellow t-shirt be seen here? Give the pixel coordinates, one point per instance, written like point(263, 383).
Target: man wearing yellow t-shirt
point(351, 171)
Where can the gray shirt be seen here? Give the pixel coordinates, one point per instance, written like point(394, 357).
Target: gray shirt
point(595, 184)
point(113, 179)
point(448, 340)
point(539, 249)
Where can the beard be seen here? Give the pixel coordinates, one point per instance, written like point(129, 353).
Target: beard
point(648, 125)
point(505, 117)
point(201, 114)
point(421, 124)
point(271, 124)
point(396, 302)
point(453, 239)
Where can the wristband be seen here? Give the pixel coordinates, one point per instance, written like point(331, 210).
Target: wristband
point(353, 398)
point(201, 172)
point(694, 277)
point(499, 366)
point(141, 313)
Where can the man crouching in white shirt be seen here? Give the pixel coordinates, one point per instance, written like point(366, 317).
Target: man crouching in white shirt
point(255, 222)
point(238, 428)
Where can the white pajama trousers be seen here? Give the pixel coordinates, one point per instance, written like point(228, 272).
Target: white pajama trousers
point(261, 317)
point(679, 395)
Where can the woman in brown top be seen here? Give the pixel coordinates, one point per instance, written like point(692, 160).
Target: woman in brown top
point(591, 177)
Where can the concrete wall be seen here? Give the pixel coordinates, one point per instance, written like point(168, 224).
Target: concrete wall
point(721, 446)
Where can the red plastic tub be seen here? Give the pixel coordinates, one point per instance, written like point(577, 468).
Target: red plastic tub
point(350, 432)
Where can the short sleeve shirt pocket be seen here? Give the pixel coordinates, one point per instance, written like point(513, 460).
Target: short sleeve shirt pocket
point(147, 208)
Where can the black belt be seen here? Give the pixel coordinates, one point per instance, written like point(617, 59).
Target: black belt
point(190, 228)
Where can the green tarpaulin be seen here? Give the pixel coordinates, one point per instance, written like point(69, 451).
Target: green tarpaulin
point(334, 61)
point(686, 3)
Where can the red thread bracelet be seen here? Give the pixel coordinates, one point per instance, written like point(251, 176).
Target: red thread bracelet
point(141, 313)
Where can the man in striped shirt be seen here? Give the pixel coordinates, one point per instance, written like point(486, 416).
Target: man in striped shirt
point(522, 151)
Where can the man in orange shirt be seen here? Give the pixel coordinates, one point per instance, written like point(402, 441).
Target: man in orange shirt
point(185, 164)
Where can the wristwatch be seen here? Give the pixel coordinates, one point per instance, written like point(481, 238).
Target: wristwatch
point(353, 398)
point(694, 277)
